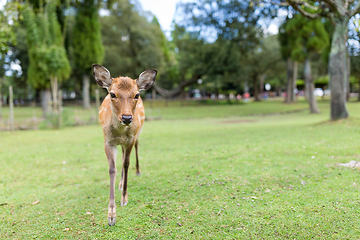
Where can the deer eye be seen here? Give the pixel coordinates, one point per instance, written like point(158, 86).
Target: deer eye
point(112, 95)
point(137, 96)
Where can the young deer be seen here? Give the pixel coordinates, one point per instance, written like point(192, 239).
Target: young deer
point(122, 116)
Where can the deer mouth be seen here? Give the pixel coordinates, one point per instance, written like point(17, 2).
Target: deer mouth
point(125, 124)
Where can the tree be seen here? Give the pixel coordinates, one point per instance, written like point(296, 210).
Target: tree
point(355, 67)
point(87, 45)
point(209, 41)
point(291, 64)
point(47, 55)
point(234, 20)
point(8, 18)
point(339, 12)
point(260, 61)
point(193, 58)
point(131, 42)
point(307, 37)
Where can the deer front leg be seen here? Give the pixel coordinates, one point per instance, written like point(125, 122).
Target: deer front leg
point(126, 163)
point(122, 171)
point(137, 158)
point(111, 152)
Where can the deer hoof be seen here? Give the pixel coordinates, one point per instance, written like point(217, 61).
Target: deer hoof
point(138, 174)
point(123, 203)
point(111, 221)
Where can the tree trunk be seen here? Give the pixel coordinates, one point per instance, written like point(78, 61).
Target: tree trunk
point(55, 105)
point(60, 105)
point(294, 78)
point(289, 76)
point(86, 91)
point(337, 71)
point(309, 83)
point(45, 98)
point(348, 71)
point(1, 95)
point(359, 91)
point(255, 87)
point(54, 89)
point(0, 104)
point(261, 83)
point(11, 108)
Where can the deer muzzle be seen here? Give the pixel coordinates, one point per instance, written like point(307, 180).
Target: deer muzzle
point(126, 119)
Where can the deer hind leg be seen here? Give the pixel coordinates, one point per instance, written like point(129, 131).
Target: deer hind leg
point(122, 171)
point(111, 152)
point(126, 163)
point(137, 158)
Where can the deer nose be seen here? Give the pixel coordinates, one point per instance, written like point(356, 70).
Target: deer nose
point(126, 119)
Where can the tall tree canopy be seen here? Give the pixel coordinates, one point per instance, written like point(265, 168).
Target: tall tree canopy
point(234, 20)
point(339, 12)
point(47, 55)
point(191, 62)
point(8, 16)
point(132, 43)
point(285, 38)
point(209, 39)
point(307, 37)
point(260, 61)
point(87, 45)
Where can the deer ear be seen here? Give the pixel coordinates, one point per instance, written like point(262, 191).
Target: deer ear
point(146, 79)
point(102, 76)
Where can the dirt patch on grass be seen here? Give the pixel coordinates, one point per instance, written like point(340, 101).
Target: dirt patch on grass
point(352, 164)
point(238, 121)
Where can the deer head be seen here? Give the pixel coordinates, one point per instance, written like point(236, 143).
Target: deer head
point(124, 92)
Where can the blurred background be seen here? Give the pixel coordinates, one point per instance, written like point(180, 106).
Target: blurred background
point(206, 53)
point(245, 138)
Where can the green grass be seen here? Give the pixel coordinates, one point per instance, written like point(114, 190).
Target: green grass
point(169, 110)
point(212, 178)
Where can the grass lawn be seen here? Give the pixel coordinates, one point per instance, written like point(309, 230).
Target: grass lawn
point(238, 177)
point(160, 109)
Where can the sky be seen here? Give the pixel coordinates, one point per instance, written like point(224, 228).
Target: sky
point(164, 10)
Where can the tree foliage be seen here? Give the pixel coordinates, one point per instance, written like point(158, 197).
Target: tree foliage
point(8, 19)
point(339, 12)
point(47, 55)
point(211, 39)
point(87, 44)
point(233, 20)
point(132, 43)
point(306, 37)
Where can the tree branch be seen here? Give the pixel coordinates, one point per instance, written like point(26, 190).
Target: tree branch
point(355, 10)
point(334, 7)
point(176, 91)
point(296, 6)
point(310, 6)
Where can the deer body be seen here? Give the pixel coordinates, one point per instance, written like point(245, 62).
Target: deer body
point(121, 116)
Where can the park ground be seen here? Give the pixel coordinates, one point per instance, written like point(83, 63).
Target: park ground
point(262, 170)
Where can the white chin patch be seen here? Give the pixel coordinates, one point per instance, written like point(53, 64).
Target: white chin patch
point(122, 123)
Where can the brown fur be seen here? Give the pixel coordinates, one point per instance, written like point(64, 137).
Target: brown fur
point(116, 132)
